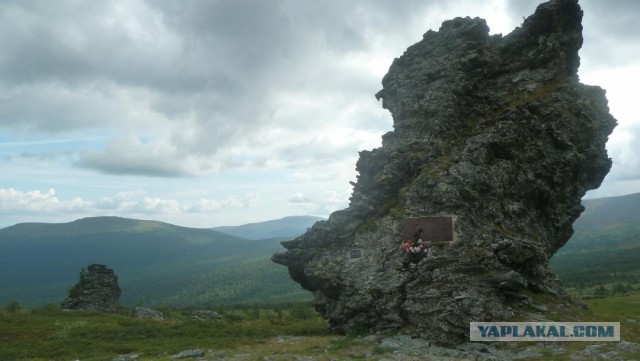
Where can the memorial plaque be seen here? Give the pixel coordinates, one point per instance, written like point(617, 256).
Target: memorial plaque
point(434, 229)
point(355, 253)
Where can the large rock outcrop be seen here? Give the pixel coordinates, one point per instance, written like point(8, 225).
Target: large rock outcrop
point(495, 142)
point(96, 290)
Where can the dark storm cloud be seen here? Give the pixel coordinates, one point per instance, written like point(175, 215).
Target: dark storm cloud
point(69, 42)
point(151, 167)
point(210, 69)
point(204, 80)
point(181, 46)
point(138, 162)
point(241, 35)
point(617, 18)
point(611, 32)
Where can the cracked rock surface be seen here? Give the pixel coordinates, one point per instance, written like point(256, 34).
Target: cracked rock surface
point(495, 132)
point(96, 290)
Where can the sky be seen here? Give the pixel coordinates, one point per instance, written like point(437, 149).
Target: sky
point(206, 113)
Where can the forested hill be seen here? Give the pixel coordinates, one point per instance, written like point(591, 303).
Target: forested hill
point(156, 262)
point(160, 263)
point(287, 227)
point(111, 226)
point(605, 247)
point(607, 215)
point(606, 224)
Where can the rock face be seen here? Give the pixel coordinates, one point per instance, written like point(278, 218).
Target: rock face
point(97, 290)
point(495, 142)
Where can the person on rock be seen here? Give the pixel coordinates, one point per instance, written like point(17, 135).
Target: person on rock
point(414, 250)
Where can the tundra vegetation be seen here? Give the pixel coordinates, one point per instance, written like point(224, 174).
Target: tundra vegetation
point(257, 331)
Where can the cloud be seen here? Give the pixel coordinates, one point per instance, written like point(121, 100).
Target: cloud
point(133, 204)
point(39, 157)
point(304, 204)
point(276, 97)
point(206, 205)
point(610, 34)
point(120, 201)
point(128, 155)
point(326, 202)
point(299, 198)
point(192, 88)
point(624, 149)
point(307, 177)
point(13, 201)
point(621, 19)
point(200, 82)
point(149, 205)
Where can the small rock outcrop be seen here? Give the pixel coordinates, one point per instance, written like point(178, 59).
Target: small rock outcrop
point(147, 314)
point(127, 357)
point(96, 290)
point(206, 315)
point(188, 354)
point(454, 218)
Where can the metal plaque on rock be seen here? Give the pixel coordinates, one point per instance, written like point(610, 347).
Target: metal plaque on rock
point(435, 229)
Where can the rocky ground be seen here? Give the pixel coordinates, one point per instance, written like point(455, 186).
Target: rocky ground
point(405, 348)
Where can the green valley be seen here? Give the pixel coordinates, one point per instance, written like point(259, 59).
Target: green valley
point(157, 263)
point(602, 255)
point(163, 264)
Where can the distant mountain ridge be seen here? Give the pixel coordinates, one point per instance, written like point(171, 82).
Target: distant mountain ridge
point(616, 219)
point(605, 246)
point(160, 263)
point(287, 227)
point(90, 225)
point(155, 262)
point(606, 213)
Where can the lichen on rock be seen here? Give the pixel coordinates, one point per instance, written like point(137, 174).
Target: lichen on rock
point(493, 131)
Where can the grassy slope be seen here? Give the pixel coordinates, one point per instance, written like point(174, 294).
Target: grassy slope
point(49, 334)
